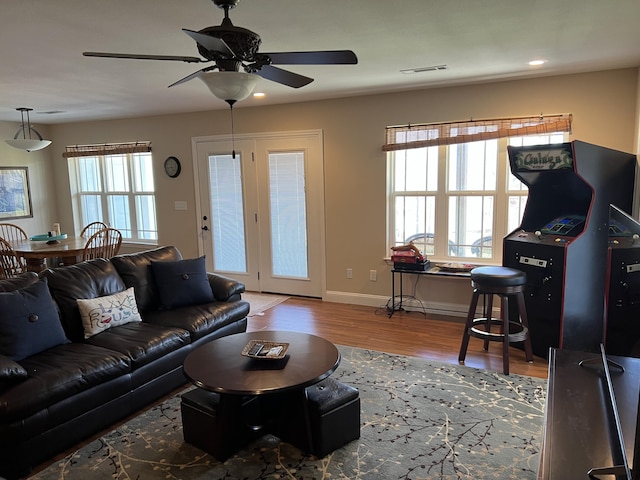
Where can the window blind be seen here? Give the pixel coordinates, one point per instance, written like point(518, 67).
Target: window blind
point(404, 137)
point(106, 149)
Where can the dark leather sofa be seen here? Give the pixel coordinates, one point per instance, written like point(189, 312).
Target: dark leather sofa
point(77, 388)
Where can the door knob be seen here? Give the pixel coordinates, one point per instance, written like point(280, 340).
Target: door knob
point(205, 228)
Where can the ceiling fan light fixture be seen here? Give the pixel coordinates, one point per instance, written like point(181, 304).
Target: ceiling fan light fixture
point(230, 86)
point(27, 142)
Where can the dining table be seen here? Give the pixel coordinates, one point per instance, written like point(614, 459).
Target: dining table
point(36, 252)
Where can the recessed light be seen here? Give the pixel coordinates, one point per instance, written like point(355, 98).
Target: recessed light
point(258, 95)
point(535, 63)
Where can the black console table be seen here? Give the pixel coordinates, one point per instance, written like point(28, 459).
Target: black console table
point(433, 270)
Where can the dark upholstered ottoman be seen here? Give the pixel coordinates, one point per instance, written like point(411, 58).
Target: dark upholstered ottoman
point(220, 434)
point(199, 412)
point(333, 410)
point(334, 415)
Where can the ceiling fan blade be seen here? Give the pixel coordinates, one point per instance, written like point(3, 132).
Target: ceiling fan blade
point(192, 76)
point(284, 77)
point(210, 43)
point(327, 57)
point(144, 57)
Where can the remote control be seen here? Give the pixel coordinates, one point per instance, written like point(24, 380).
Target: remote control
point(255, 350)
point(274, 352)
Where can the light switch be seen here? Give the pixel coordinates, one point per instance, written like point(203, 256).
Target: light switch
point(180, 205)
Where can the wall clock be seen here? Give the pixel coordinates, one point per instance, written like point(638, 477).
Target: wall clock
point(172, 167)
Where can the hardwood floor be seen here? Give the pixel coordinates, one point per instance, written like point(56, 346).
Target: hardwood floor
point(405, 333)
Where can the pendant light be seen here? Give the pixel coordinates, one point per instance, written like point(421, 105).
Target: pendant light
point(26, 142)
point(231, 87)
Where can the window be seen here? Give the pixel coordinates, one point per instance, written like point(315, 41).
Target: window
point(114, 184)
point(452, 199)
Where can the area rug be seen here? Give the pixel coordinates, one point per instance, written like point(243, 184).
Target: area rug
point(262, 301)
point(420, 420)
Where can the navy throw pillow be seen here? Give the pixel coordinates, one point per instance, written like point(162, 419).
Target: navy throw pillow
point(182, 283)
point(29, 322)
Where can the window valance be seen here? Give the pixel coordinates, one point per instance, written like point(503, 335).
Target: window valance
point(106, 149)
point(403, 137)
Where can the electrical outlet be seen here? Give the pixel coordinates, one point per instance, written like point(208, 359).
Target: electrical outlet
point(373, 275)
point(349, 273)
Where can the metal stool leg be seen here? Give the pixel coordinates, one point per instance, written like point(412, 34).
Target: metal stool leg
point(488, 315)
point(505, 333)
point(522, 311)
point(468, 325)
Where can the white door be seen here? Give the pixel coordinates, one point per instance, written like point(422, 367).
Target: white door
point(262, 210)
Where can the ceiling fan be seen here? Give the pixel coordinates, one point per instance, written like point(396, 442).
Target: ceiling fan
point(235, 49)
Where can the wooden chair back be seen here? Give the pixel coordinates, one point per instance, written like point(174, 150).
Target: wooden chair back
point(12, 233)
point(104, 243)
point(91, 228)
point(11, 264)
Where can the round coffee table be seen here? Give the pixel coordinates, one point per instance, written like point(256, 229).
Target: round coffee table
point(258, 396)
point(218, 366)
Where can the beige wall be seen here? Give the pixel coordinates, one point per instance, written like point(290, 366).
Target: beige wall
point(604, 106)
point(42, 185)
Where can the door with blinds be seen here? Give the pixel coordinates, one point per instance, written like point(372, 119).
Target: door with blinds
point(261, 207)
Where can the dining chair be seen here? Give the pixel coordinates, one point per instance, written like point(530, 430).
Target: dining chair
point(12, 233)
point(91, 228)
point(11, 264)
point(105, 243)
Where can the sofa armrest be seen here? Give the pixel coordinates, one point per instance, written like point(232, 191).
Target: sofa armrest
point(10, 369)
point(10, 372)
point(225, 289)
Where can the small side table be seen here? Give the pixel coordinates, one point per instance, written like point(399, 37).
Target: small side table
point(433, 270)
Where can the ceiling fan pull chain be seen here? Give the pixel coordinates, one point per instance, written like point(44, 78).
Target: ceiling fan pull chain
point(233, 140)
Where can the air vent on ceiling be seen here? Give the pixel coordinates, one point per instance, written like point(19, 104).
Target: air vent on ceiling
point(431, 68)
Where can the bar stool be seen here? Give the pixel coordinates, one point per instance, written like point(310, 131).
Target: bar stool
point(507, 283)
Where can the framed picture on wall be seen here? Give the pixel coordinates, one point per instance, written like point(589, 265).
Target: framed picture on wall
point(15, 195)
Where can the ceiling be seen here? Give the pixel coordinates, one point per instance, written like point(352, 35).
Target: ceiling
point(42, 41)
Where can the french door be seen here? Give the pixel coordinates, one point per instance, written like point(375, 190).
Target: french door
point(261, 209)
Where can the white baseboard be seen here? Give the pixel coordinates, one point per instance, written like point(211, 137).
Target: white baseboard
point(410, 304)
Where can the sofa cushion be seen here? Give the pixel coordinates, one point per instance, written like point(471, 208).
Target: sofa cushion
point(182, 283)
point(60, 373)
point(29, 322)
point(101, 313)
point(91, 279)
point(200, 320)
point(20, 281)
point(142, 342)
point(135, 270)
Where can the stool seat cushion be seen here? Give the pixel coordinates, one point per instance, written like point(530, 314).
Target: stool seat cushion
point(498, 277)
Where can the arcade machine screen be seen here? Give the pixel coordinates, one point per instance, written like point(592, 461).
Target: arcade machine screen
point(568, 225)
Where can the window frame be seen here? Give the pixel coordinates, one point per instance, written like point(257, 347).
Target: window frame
point(106, 193)
point(502, 194)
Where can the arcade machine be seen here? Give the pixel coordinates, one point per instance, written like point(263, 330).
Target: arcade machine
point(562, 242)
point(623, 287)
